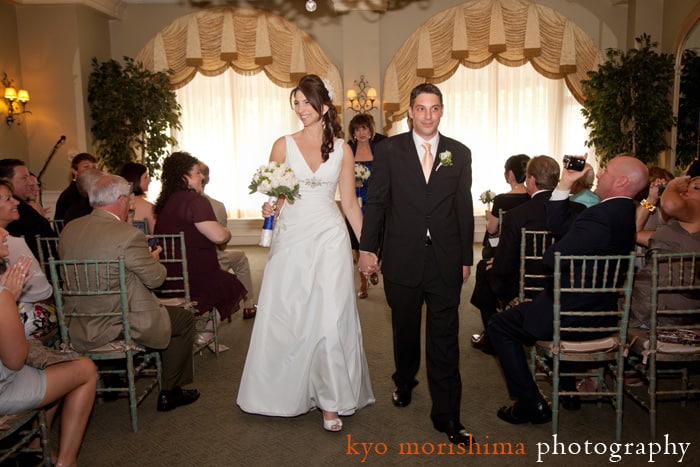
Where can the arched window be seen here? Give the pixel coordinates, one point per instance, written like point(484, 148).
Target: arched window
point(230, 121)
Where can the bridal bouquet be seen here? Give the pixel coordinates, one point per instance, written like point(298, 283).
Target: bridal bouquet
point(362, 173)
point(273, 180)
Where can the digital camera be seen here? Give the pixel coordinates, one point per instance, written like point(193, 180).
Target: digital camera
point(574, 163)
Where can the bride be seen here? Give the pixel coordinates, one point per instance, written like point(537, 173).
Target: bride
point(306, 348)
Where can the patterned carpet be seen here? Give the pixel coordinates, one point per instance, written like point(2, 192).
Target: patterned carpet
point(215, 432)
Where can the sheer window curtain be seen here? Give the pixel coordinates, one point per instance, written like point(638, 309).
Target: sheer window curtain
point(499, 111)
point(230, 122)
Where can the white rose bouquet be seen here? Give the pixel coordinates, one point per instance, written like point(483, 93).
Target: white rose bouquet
point(362, 173)
point(487, 198)
point(273, 180)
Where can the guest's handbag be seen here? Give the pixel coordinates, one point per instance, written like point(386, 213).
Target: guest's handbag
point(41, 356)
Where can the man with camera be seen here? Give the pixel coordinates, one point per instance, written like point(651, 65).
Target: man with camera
point(607, 228)
point(497, 279)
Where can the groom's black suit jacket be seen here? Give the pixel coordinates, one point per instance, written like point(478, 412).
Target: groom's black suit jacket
point(400, 199)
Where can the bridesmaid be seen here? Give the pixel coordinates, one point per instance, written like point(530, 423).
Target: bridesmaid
point(363, 141)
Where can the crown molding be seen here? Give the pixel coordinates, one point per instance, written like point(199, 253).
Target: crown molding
point(112, 8)
point(365, 5)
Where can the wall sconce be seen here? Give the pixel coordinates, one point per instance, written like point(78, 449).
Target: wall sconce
point(16, 100)
point(362, 101)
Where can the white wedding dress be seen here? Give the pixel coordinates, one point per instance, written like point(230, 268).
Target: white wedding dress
point(306, 348)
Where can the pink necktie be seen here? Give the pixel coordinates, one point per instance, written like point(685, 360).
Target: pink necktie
point(427, 162)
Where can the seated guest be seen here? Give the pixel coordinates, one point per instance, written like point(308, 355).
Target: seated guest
point(234, 260)
point(104, 234)
point(137, 174)
point(35, 303)
point(81, 207)
point(497, 278)
point(604, 229)
point(182, 208)
point(23, 387)
point(649, 215)
point(680, 234)
point(30, 222)
point(71, 195)
point(34, 195)
point(581, 190)
point(514, 173)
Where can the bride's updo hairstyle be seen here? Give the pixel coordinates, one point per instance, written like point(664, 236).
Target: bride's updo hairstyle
point(175, 167)
point(317, 94)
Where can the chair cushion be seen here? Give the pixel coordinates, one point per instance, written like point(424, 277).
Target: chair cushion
point(15, 420)
point(640, 345)
point(117, 346)
point(604, 344)
point(177, 302)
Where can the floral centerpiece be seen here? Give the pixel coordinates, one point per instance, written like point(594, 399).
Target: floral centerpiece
point(362, 174)
point(487, 198)
point(273, 180)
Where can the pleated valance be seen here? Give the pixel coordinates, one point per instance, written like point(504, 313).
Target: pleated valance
point(473, 34)
point(245, 39)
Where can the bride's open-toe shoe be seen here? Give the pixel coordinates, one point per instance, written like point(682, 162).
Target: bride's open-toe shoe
point(333, 425)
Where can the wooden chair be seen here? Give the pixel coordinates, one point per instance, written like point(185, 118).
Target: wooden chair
point(655, 355)
point(532, 275)
point(97, 280)
point(533, 278)
point(590, 275)
point(47, 247)
point(175, 291)
point(57, 225)
point(18, 430)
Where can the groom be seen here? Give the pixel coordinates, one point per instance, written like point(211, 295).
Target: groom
point(420, 191)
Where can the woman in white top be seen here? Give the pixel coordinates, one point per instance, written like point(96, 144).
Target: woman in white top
point(35, 303)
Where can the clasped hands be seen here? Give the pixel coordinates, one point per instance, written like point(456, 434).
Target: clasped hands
point(368, 263)
point(16, 275)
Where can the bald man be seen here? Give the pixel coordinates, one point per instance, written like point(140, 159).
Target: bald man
point(608, 228)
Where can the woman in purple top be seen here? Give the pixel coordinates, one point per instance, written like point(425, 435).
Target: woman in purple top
point(181, 207)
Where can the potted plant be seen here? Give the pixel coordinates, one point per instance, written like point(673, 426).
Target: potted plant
point(688, 144)
point(627, 102)
point(133, 110)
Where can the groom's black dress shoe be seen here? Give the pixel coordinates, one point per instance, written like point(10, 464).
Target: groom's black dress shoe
point(401, 397)
point(455, 432)
point(169, 400)
point(523, 412)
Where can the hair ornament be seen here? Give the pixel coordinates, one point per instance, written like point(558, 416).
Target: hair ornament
point(329, 89)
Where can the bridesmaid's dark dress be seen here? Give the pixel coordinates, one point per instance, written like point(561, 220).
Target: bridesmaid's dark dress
point(209, 285)
point(363, 190)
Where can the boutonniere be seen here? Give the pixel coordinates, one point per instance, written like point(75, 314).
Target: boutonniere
point(445, 160)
